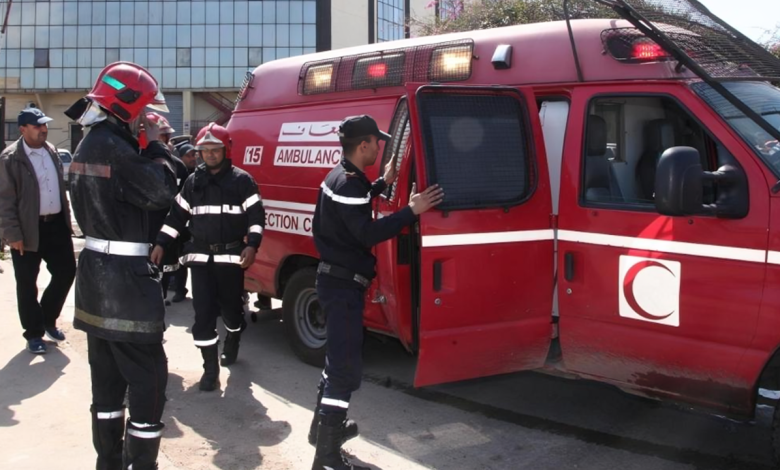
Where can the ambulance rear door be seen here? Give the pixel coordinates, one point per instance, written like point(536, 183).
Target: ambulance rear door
point(486, 253)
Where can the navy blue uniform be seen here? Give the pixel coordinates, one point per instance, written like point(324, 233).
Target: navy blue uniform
point(344, 233)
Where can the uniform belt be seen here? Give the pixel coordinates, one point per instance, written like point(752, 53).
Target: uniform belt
point(111, 247)
point(218, 247)
point(342, 273)
point(49, 217)
point(169, 268)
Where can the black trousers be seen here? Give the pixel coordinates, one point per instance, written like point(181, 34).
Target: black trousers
point(165, 282)
point(117, 367)
point(56, 249)
point(217, 288)
point(179, 281)
point(343, 307)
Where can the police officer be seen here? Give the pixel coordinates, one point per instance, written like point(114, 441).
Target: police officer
point(170, 263)
point(222, 204)
point(114, 186)
point(344, 234)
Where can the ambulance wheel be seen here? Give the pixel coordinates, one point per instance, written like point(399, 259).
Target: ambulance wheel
point(304, 320)
point(776, 435)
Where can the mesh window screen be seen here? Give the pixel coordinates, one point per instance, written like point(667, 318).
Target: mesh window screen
point(476, 148)
point(717, 48)
point(400, 131)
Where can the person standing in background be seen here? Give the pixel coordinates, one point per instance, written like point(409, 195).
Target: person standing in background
point(35, 222)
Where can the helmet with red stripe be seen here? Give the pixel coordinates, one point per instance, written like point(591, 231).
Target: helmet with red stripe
point(125, 89)
point(214, 135)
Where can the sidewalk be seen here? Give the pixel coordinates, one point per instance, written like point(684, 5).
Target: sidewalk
point(44, 402)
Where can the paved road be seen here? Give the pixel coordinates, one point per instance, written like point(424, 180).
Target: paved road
point(517, 421)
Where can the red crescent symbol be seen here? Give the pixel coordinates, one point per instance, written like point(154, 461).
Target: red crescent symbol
point(628, 289)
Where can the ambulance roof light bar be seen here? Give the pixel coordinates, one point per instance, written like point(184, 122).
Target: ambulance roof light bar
point(438, 62)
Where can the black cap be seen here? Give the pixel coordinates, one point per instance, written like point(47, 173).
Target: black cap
point(33, 116)
point(184, 149)
point(359, 126)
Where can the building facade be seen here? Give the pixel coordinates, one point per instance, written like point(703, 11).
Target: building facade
point(199, 51)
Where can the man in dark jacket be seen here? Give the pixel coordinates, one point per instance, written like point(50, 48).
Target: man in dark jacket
point(179, 280)
point(35, 221)
point(344, 234)
point(223, 206)
point(114, 186)
point(170, 263)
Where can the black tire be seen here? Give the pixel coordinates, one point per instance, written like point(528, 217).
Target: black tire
point(304, 321)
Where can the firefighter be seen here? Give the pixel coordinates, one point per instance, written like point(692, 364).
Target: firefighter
point(170, 263)
point(344, 234)
point(115, 184)
point(222, 204)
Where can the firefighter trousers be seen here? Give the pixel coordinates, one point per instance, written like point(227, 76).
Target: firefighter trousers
point(217, 288)
point(117, 367)
point(343, 307)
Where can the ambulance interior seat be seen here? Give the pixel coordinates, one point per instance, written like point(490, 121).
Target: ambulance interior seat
point(600, 181)
point(659, 136)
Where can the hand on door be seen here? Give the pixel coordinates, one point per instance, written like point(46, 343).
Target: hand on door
point(390, 173)
point(426, 200)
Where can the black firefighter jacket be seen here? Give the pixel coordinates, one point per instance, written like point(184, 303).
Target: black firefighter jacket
point(221, 209)
point(113, 188)
point(170, 262)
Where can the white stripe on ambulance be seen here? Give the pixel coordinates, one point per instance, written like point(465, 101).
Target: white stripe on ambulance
point(300, 224)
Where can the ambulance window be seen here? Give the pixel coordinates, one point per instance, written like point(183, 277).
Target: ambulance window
point(476, 148)
point(648, 126)
point(400, 130)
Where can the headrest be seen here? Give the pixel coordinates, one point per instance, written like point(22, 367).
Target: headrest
point(596, 172)
point(597, 135)
point(659, 135)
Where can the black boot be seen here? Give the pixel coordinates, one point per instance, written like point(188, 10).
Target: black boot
point(210, 379)
point(142, 444)
point(349, 428)
point(328, 455)
point(230, 349)
point(108, 428)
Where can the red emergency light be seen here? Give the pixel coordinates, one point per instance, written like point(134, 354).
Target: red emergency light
point(377, 70)
point(648, 51)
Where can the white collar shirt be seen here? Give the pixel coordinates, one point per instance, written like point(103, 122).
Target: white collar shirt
point(48, 179)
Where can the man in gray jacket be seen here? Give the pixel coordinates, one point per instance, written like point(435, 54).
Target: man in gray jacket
point(35, 222)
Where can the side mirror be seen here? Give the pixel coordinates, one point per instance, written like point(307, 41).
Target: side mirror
point(679, 182)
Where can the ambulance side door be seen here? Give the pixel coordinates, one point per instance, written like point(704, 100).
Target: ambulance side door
point(663, 305)
point(486, 270)
point(395, 264)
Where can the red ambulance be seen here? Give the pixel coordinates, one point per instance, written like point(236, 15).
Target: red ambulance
point(611, 211)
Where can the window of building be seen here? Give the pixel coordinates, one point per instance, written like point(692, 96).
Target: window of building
point(619, 167)
point(448, 9)
point(12, 131)
point(391, 20)
point(41, 58)
point(477, 147)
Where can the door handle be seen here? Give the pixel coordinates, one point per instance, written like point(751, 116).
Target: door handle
point(568, 266)
point(437, 276)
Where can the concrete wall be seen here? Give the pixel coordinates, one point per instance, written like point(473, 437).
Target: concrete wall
point(349, 19)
